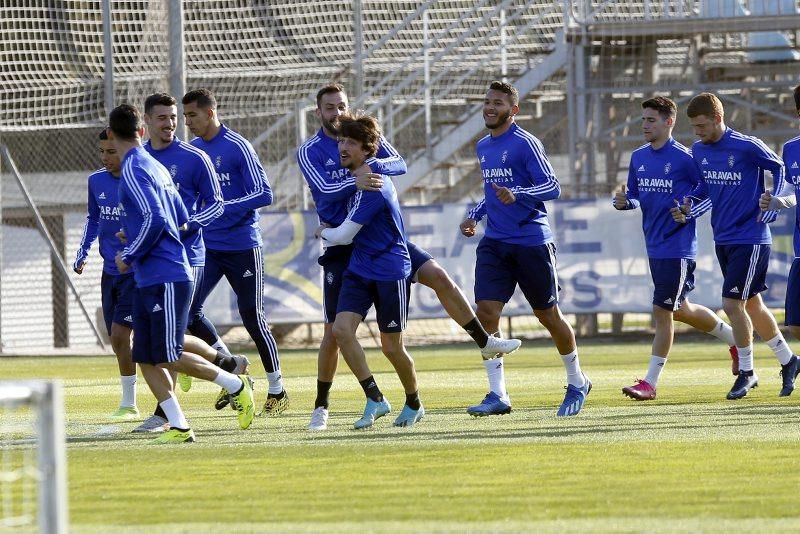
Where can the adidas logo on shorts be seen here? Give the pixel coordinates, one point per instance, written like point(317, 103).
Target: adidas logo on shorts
point(128, 318)
point(735, 290)
point(551, 299)
point(392, 325)
point(157, 308)
point(668, 301)
point(247, 273)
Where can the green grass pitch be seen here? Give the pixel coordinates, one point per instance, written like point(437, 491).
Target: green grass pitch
point(688, 461)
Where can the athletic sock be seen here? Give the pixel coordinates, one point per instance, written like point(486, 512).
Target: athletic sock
point(573, 366)
point(780, 348)
point(228, 381)
point(174, 413)
point(128, 391)
point(275, 382)
point(723, 332)
point(497, 377)
point(745, 358)
point(223, 361)
point(323, 389)
point(220, 346)
point(476, 332)
point(371, 389)
point(412, 400)
point(654, 371)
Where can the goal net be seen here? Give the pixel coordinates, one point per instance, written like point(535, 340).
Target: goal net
point(32, 457)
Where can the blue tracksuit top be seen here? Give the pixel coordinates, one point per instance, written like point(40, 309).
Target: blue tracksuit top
point(516, 160)
point(791, 160)
point(656, 179)
point(153, 212)
point(197, 184)
point(332, 185)
point(102, 220)
point(245, 188)
point(379, 248)
point(732, 173)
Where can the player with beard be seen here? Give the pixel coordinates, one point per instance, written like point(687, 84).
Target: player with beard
point(331, 186)
point(517, 248)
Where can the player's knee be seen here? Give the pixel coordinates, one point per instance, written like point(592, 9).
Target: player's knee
point(548, 317)
point(342, 332)
point(733, 307)
point(437, 278)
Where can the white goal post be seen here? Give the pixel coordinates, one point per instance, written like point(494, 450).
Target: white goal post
point(33, 462)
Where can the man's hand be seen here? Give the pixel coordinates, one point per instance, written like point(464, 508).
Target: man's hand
point(680, 211)
point(121, 265)
point(320, 228)
point(504, 194)
point(764, 201)
point(369, 181)
point(79, 268)
point(620, 198)
point(468, 227)
point(122, 237)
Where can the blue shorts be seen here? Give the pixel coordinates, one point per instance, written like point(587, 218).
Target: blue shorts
point(160, 316)
point(390, 300)
point(673, 280)
point(501, 266)
point(117, 295)
point(793, 295)
point(334, 263)
point(419, 257)
point(744, 270)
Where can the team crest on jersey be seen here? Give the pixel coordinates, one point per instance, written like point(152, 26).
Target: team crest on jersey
point(329, 279)
point(173, 171)
point(218, 161)
point(504, 157)
point(667, 167)
point(731, 161)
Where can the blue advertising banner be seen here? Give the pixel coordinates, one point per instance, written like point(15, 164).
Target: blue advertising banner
point(601, 257)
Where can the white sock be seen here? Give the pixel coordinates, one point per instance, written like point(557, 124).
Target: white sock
point(275, 382)
point(654, 371)
point(780, 348)
point(174, 413)
point(723, 332)
point(745, 358)
point(229, 381)
point(573, 366)
point(495, 370)
point(128, 391)
point(221, 347)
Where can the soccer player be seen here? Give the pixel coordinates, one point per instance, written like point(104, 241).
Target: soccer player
point(331, 186)
point(233, 240)
point(378, 273)
point(791, 161)
point(102, 223)
point(518, 245)
point(196, 180)
point(659, 173)
point(732, 166)
point(152, 213)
